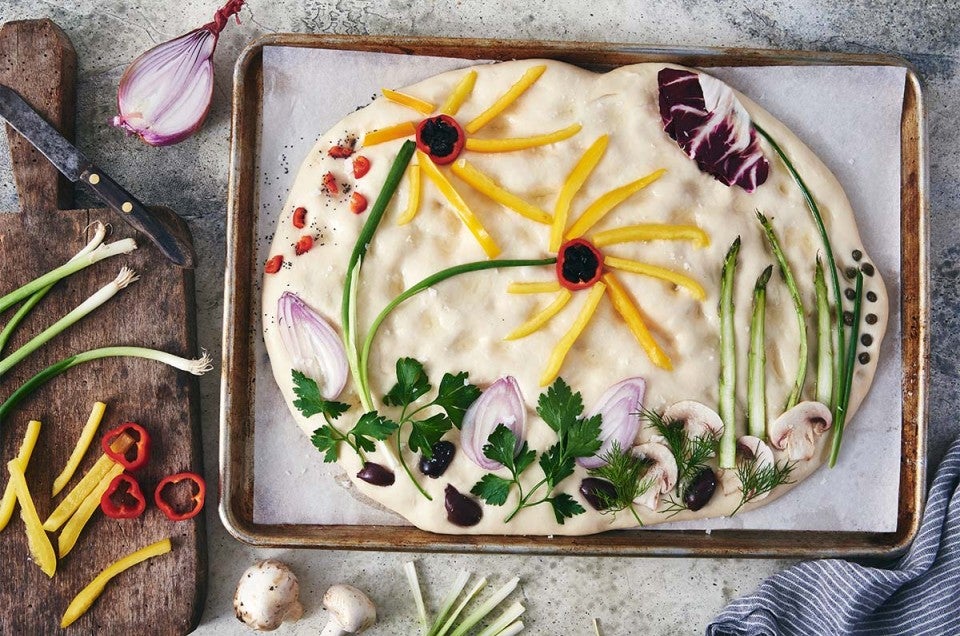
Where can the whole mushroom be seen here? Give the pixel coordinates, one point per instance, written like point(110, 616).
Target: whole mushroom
point(752, 449)
point(663, 472)
point(267, 596)
point(699, 420)
point(351, 611)
point(797, 430)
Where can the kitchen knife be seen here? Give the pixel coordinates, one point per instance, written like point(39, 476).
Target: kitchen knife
point(76, 167)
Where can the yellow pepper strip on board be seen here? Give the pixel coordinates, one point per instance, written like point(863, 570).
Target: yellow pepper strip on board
point(624, 306)
point(503, 102)
point(9, 501)
point(599, 208)
point(571, 186)
point(542, 317)
point(651, 232)
point(566, 342)
point(383, 135)
point(459, 206)
point(86, 436)
point(413, 199)
point(534, 287)
point(485, 185)
point(72, 529)
point(75, 497)
point(417, 104)
point(459, 95)
point(41, 549)
point(82, 601)
point(655, 271)
point(521, 143)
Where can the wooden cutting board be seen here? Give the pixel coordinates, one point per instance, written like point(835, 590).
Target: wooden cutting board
point(165, 594)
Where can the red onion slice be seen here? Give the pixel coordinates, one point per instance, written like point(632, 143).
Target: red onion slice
point(501, 403)
point(620, 409)
point(314, 347)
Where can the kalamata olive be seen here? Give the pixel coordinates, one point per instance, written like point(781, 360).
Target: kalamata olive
point(376, 474)
point(700, 490)
point(435, 466)
point(596, 491)
point(461, 510)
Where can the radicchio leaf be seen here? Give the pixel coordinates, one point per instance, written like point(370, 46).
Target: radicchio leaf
point(501, 403)
point(619, 408)
point(705, 118)
point(314, 347)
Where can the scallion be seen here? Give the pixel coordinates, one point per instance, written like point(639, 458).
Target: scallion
point(502, 622)
point(756, 360)
point(448, 602)
point(455, 614)
point(513, 629)
point(414, 581)
point(728, 361)
point(824, 390)
point(486, 607)
point(849, 366)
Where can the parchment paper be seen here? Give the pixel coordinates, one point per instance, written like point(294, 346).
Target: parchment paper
point(849, 116)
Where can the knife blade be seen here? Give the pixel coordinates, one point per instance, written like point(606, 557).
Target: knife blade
point(75, 166)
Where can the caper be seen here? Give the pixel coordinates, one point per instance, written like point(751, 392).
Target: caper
point(437, 464)
point(597, 492)
point(376, 474)
point(461, 510)
point(700, 490)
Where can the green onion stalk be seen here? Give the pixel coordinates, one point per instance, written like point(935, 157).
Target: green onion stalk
point(824, 390)
point(728, 361)
point(756, 361)
point(447, 625)
point(849, 365)
point(452, 595)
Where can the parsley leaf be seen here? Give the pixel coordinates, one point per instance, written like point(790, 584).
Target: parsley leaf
point(455, 396)
point(425, 433)
point(565, 507)
point(309, 400)
point(326, 440)
point(371, 427)
point(556, 465)
point(412, 384)
point(582, 438)
point(559, 406)
point(493, 489)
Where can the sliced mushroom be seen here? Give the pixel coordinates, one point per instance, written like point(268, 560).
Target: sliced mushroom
point(797, 430)
point(267, 595)
point(750, 448)
point(351, 611)
point(699, 420)
point(662, 472)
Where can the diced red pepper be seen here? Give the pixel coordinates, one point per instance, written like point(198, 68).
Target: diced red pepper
point(173, 510)
point(300, 218)
point(273, 265)
point(303, 245)
point(358, 203)
point(137, 454)
point(123, 498)
point(340, 151)
point(330, 184)
point(361, 166)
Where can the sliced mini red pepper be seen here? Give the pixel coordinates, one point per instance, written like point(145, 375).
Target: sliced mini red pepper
point(361, 166)
point(123, 499)
point(137, 454)
point(174, 510)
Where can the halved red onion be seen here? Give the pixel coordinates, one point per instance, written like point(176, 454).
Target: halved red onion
point(620, 409)
point(501, 403)
point(314, 347)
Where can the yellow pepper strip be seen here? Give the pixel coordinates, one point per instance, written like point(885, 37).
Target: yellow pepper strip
point(41, 551)
point(565, 343)
point(503, 102)
point(599, 208)
point(413, 201)
point(71, 531)
point(409, 101)
point(655, 271)
point(82, 601)
point(542, 317)
point(86, 436)
point(460, 207)
point(652, 232)
point(75, 497)
point(459, 95)
point(485, 185)
point(521, 143)
point(9, 501)
point(575, 180)
point(534, 287)
point(625, 306)
point(383, 135)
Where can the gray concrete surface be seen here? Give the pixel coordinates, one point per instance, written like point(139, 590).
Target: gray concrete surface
point(643, 596)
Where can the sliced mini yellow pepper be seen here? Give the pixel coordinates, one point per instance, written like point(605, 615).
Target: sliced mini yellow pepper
point(82, 601)
point(460, 207)
point(417, 104)
point(41, 550)
point(521, 143)
point(413, 199)
point(86, 436)
point(503, 102)
point(383, 135)
point(571, 186)
point(655, 271)
point(542, 317)
point(459, 95)
point(602, 206)
point(71, 531)
point(485, 185)
point(9, 500)
point(565, 343)
point(624, 306)
point(533, 287)
point(652, 232)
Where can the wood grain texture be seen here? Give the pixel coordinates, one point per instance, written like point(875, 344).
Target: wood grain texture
point(163, 595)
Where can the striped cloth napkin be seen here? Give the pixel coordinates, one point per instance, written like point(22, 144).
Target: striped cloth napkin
point(920, 594)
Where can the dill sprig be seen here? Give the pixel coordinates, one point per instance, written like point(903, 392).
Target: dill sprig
point(626, 472)
point(691, 454)
point(757, 480)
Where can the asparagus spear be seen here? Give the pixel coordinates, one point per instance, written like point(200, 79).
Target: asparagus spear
point(757, 359)
point(728, 361)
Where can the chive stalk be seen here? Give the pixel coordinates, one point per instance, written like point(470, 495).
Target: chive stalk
point(448, 602)
point(757, 359)
point(486, 607)
point(791, 283)
point(849, 367)
point(728, 361)
point(105, 293)
point(824, 391)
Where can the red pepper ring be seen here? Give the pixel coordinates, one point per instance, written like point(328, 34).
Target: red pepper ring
point(140, 446)
point(172, 510)
point(123, 498)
